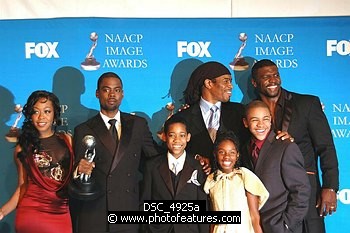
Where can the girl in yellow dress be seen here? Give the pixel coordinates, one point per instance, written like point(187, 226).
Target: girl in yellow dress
point(234, 188)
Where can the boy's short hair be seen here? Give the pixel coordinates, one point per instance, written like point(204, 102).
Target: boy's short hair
point(173, 120)
point(255, 104)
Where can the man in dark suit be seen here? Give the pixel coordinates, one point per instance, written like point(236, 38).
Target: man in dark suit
point(116, 165)
point(302, 117)
point(175, 175)
point(210, 86)
point(279, 165)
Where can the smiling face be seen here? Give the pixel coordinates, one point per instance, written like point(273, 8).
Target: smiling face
point(218, 89)
point(110, 95)
point(258, 121)
point(176, 139)
point(43, 117)
point(268, 82)
point(226, 155)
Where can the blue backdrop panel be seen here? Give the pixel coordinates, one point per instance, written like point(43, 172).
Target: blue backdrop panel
point(155, 57)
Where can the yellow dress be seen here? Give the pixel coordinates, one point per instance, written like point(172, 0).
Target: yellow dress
point(227, 193)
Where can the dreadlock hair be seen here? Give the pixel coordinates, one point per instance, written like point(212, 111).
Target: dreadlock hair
point(230, 136)
point(29, 139)
point(209, 70)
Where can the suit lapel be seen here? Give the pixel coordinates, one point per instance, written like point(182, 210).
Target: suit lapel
point(288, 110)
point(263, 155)
point(224, 117)
point(166, 176)
point(125, 136)
point(247, 157)
point(199, 123)
point(102, 133)
point(185, 175)
point(198, 118)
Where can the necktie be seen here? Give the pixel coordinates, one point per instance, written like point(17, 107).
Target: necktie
point(255, 153)
point(174, 169)
point(213, 123)
point(113, 129)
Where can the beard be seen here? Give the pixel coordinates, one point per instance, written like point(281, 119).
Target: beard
point(271, 93)
point(110, 108)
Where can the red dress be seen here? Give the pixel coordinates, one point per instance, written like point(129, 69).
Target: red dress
point(44, 206)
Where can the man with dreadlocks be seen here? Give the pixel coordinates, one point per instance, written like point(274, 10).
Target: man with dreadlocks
point(208, 93)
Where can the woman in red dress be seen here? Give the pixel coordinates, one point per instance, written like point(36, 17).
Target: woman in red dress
point(44, 161)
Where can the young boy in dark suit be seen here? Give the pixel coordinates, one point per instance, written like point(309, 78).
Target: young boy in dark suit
point(279, 165)
point(175, 175)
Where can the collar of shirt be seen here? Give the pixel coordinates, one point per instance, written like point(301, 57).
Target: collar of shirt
point(180, 161)
point(106, 119)
point(258, 143)
point(205, 109)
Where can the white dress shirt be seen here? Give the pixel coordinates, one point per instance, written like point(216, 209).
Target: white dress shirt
point(178, 161)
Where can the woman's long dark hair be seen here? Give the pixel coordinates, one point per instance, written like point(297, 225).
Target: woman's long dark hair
point(29, 138)
point(227, 135)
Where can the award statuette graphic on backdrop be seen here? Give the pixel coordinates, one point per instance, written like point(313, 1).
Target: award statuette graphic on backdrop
point(84, 187)
point(90, 62)
point(14, 131)
point(238, 63)
point(170, 107)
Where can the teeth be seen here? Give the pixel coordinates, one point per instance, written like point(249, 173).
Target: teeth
point(227, 163)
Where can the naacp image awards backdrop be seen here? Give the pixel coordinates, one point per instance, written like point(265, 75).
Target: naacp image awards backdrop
point(155, 57)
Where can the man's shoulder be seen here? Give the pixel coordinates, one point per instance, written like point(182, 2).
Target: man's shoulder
point(233, 104)
point(87, 122)
point(277, 143)
point(232, 108)
point(281, 143)
point(153, 162)
point(290, 149)
point(189, 114)
point(225, 105)
point(188, 110)
point(132, 116)
point(302, 97)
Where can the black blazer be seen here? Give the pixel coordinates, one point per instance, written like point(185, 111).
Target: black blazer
point(304, 119)
point(231, 118)
point(280, 167)
point(116, 172)
point(158, 185)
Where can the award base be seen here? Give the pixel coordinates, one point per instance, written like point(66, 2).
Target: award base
point(13, 134)
point(90, 64)
point(85, 191)
point(239, 64)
